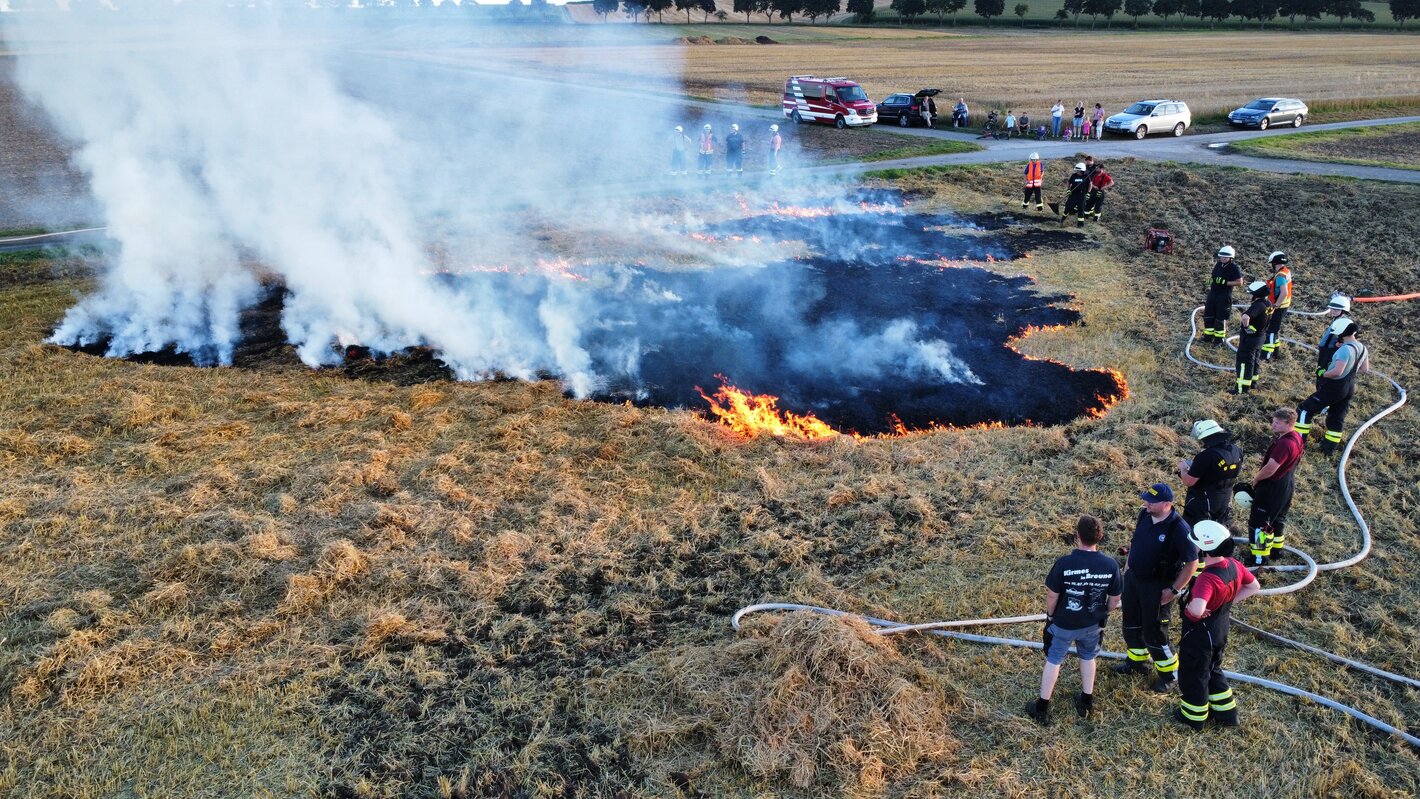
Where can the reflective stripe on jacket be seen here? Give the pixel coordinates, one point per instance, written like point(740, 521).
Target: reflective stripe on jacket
point(1035, 173)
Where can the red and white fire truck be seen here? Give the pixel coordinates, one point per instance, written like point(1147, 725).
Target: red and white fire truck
point(839, 101)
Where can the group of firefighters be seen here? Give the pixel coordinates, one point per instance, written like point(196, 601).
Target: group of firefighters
point(733, 146)
point(1086, 187)
point(1188, 557)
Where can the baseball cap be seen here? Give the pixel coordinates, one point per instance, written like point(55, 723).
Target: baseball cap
point(1158, 492)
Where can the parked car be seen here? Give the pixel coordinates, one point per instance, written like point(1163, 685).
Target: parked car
point(905, 109)
point(839, 101)
point(1151, 116)
point(1265, 112)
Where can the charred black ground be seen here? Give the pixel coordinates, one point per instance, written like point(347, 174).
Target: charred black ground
point(883, 319)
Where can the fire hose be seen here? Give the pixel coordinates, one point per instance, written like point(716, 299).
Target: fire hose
point(1309, 566)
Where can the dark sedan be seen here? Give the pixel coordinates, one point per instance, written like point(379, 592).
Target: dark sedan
point(905, 109)
point(1268, 111)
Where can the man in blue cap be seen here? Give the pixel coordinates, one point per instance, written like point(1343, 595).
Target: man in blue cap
point(1161, 561)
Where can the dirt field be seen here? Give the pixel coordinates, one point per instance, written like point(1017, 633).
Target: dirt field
point(1391, 146)
point(1016, 70)
point(336, 587)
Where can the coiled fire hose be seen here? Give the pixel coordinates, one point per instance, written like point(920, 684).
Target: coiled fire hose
point(1310, 567)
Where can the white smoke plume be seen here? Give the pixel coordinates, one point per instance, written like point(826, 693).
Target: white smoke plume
point(241, 146)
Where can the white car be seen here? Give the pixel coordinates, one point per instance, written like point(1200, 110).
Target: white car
point(1151, 116)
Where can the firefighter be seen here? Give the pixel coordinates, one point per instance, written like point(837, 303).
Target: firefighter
point(1336, 384)
point(707, 149)
point(1160, 563)
point(1203, 688)
point(1339, 306)
point(1254, 331)
point(776, 143)
point(1279, 292)
point(1079, 183)
point(1270, 491)
point(1035, 175)
point(1210, 475)
point(734, 152)
point(680, 150)
point(1100, 182)
point(1219, 304)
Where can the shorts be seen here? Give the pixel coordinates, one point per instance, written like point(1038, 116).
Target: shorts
point(1086, 640)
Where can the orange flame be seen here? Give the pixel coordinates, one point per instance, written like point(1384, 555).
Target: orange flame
point(1103, 401)
point(753, 414)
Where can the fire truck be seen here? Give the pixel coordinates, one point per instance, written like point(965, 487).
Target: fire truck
point(838, 101)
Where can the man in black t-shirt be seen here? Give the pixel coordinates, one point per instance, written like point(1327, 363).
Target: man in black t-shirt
point(1080, 591)
point(1161, 562)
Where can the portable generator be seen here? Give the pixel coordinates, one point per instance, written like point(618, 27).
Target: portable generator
point(1159, 240)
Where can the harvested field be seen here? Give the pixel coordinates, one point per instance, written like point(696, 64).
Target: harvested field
point(1395, 146)
point(1011, 69)
point(335, 587)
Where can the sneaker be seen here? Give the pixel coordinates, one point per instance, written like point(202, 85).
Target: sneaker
point(1040, 715)
point(1084, 706)
point(1131, 667)
point(1163, 684)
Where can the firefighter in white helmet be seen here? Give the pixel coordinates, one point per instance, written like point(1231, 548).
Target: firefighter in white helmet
point(1207, 605)
point(1035, 175)
point(680, 151)
point(1219, 304)
point(1279, 291)
point(776, 143)
point(1078, 183)
point(1254, 332)
point(1210, 474)
point(1336, 384)
point(734, 152)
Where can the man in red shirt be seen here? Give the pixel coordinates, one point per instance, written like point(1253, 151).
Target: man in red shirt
point(1100, 182)
point(1272, 488)
point(1206, 614)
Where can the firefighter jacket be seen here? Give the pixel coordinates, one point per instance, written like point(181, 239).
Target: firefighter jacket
point(1223, 274)
point(734, 143)
point(1326, 348)
point(1216, 468)
point(1259, 314)
point(1035, 173)
point(1279, 288)
point(707, 143)
point(1220, 584)
point(1078, 183)
point(1343, 385)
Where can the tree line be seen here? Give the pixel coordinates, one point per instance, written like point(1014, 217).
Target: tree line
point(909, 11)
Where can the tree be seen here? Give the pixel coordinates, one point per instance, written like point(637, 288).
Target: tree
point(657, 7)
point(1308, 10)
point(605, 7)
point(987, 9)
point(634, 8)
point(1021, 10)
point(1190, 8)
point(1074, 7)
point(786, 9)
point(1217, 10)
point(1260, 10)
point(1060, 16)
point(687, 6)
point(766, 8)
point(813, 9)
point(1166, 9)
point(1137, 9)
point(938, 7)
point(708, 7)
point(953, 6)
point(862, 10)
point(908, 10)
point(745, 7)
point(1341, 9)
point(1401, 10)
point(1097, 7)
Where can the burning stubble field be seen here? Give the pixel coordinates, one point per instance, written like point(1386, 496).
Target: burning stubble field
point(1028, 71)
point(277, 582)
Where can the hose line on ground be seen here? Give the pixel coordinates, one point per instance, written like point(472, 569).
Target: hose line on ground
point(1309, 566)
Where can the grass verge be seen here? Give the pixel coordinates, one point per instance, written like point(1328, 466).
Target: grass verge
point(1391, 146)
point(927, 147)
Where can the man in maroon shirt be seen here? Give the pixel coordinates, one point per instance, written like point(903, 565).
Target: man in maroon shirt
point(1206, 614)
point(1272, 488)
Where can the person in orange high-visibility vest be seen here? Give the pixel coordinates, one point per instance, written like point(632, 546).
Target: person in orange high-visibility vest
point(707, 149)
point(1280, 293)
point(1035, 173)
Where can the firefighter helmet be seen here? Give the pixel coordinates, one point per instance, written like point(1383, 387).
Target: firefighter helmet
point(1242, 494)
point(1208, 535)
point(1205, 428)
point(1035, 156)
point(1226, 251)
point(707, 125)
point(679, 129)
point(734, 127)
point(1257, 288)
point(1339, 302)
point(774, 128)
point(1343, 327)
point(1278, 258)
point(1080, 167)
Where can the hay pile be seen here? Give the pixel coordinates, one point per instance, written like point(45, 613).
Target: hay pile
point(811, 700)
